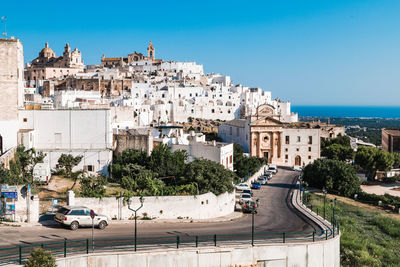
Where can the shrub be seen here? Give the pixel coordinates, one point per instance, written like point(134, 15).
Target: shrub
point(41, 258)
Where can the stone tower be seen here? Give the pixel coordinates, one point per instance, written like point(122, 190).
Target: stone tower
point(11, 91)
point(151, 51)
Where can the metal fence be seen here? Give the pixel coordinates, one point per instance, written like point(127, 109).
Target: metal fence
point(19, 254)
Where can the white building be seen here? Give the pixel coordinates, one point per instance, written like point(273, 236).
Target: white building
point(195, 145)
point(77, 132)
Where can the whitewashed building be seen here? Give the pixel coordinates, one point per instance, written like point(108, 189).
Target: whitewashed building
point(78, 132)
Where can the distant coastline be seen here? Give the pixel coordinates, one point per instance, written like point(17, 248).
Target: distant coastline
point(392, 112)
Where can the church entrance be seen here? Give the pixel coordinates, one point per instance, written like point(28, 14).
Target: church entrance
point(297, 161)
point(266, 156)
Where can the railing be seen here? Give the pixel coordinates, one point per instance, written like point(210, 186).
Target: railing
point(64, 248)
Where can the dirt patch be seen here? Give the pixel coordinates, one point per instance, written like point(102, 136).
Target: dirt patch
point(57, 187)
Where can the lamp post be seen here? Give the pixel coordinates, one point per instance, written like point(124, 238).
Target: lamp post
point(253, 211)
point(324, 191)
point(333, 205)
point(141, 205)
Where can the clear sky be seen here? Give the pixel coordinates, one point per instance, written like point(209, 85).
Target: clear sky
point(322, 52)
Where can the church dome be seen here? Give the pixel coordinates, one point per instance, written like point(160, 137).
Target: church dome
point(47, 52)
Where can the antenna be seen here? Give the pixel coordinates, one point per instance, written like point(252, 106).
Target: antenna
point(4, 20)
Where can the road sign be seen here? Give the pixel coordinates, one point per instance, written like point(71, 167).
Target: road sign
point(9, 194)
point(92, 214)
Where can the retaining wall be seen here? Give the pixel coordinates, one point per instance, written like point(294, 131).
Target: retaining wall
point(203, 206)
point(321, 254)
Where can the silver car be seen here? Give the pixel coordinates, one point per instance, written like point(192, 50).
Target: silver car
point(76, 216)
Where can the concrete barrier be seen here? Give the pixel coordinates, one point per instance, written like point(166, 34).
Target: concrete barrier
point(321, 254)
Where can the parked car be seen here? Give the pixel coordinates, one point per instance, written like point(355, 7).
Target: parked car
point(273, 169)
point(268, 175)
point(297, 168)
point(255, 185)
point(242, 186)
point(76, 216)
point(245, 197)
point(249, 206)
point(248, 191)
point(262, 180)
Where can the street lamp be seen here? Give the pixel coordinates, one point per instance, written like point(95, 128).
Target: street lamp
point(253, 211)
point(141, 199)
point(333, 206)
point(324, 191)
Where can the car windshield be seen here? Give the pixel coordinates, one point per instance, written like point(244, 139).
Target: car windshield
point(246, 196)
point(63, 210)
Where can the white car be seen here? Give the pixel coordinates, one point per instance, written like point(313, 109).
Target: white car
point(262, 180)
point(245, 197)
point(297, 168)
point(273, 169)
point(242, 186)
point(76, 216)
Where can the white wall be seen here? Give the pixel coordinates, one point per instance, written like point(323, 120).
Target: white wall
point(166, 207)
point(318, 254)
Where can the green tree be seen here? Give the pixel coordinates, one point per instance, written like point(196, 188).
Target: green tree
point(338, 152)
point(396, 158)
point(209, 176)
point(166, 163)
point(66, 162)
point(343, 140)
point(336, 176)
point(21, 167)
point(41, 258)
point(242, 164)
point(373, 159)
point(93, 186)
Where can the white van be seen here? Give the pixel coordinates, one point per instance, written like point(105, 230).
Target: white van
point(42, 173)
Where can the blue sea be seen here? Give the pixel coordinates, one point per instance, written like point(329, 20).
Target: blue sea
point(348, 111)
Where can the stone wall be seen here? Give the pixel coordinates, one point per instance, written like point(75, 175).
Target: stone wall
point(166, 207)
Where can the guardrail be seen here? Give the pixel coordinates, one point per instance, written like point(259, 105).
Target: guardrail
point(64, 248)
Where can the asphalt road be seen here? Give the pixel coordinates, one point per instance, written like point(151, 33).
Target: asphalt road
point(275, 214)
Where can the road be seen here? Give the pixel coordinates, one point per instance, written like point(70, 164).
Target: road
point(275, 214)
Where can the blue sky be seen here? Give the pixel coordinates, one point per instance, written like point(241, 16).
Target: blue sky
point(309, 52)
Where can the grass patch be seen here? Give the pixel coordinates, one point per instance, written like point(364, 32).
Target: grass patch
point(368, 238)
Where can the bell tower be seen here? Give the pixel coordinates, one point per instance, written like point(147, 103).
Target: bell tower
point(151, 51)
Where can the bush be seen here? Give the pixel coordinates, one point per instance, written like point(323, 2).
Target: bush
point(93, 186)
point(41, 258)
point(243, 165)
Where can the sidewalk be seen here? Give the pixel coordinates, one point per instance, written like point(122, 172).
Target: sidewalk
point(233, 216)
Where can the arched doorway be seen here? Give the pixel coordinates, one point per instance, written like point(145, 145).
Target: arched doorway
point(297, 161)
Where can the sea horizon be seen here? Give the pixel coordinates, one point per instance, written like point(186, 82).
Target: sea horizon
point(342, 111)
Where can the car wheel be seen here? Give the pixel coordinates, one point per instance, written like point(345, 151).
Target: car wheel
point(74, 226)
point(102, 225)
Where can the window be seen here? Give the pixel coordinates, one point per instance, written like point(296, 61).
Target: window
point(297, 149)
point(310, 140)
point(309, 157)
point(25, 119)
point(77, 212)
point(286, 150)
point(90, 168)
point(265, 138)
point(212, 111)
point(230, 159)
point(57, 138)
point(287, 139)
point(298, 139)
point(286, 156)
point(309, 149)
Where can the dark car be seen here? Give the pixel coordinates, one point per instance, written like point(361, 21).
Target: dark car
point(249, 206)
point(255, 185)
